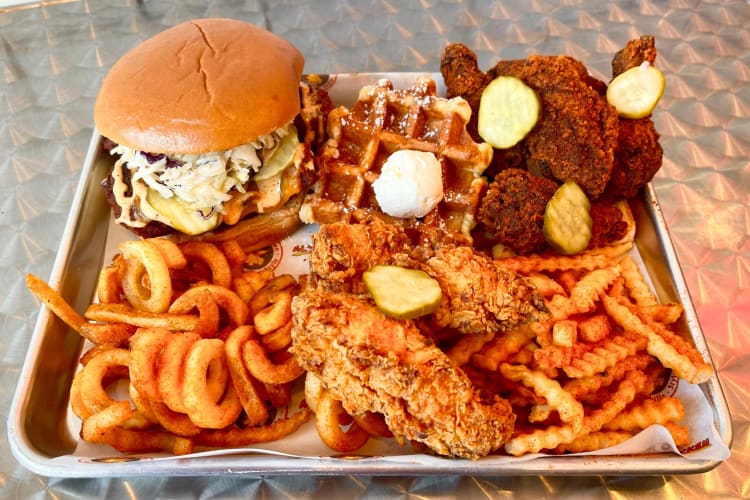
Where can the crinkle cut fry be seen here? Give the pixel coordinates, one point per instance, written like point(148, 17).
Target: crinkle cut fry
point(569, 409)
point(580, 387)
point(553, 436)
point(647, 412)
point(639, 290)
point(596, 258)
point(584, 294)
point(593, 441)
point(659, 347)
point(502, 347)
point(603, 355)
point(586, 359)
point(467, 346)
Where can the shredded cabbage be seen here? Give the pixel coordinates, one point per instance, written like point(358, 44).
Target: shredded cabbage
point(202, 181)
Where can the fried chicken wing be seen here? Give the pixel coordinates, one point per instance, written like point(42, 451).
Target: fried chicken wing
point(576, 135)
point(638, 155)
point(634, 53)
point(371, 362)
point(478, 296)
point(513, 209)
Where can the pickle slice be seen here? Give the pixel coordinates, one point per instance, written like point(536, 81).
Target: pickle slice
point(567, 222)
point(635, 92)
point(280, 158)
point(508, 110)
point(401, 292)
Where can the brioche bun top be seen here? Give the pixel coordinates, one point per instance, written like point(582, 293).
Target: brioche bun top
point(204, 85)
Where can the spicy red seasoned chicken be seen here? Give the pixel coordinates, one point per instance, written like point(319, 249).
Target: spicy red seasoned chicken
point(371, 362)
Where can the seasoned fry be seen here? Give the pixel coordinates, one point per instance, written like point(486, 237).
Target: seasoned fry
point(171, 252)
point(208, 310)
point(649, 411)
point(109, 285)
point(634, 281)
point(265, 370)
point(97, 374)
point(107, 333)
point(275, 315)
point(680, 434)
point(239, 436)
point(203, 407)
point(502, 347)
point(54, 302)
point(582, 386)
point(221, 273)
point(467, 346)
point(564, 333)
point(328, 419)
point(124, 314)
point(589, 260)
point(593, 441)
point(594, 328)
point(667, 353)
point(255, 410)
point(145, 260)
point(568, 408)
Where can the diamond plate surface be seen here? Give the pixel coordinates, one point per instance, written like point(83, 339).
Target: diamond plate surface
point(52, 60)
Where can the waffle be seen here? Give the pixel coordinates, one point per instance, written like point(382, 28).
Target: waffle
point(384, 120)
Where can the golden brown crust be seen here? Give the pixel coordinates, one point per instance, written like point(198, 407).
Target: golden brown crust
point(203, 85)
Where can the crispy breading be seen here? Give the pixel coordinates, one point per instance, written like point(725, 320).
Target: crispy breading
point(478, 296)
point(513, 209)
point(638, 157)
point(635, 52)
point(576, 134)
point(371, 362)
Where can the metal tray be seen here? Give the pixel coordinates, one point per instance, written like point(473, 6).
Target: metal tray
point(42, 430)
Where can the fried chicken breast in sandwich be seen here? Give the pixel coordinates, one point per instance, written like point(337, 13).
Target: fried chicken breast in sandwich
point(201, 120)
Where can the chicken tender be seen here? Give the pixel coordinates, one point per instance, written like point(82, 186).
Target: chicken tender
point(478, 296)
point(371, 362)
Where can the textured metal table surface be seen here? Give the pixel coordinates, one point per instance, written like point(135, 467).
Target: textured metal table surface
point(52, 59)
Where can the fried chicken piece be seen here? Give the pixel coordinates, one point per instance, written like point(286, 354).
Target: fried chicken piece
point(478, 296)
point(637, 158)
point(576, 136)
point(607, 224)
point(513, 209)
point(635, 53)
point(342, 251)
point(463, 78)
point(371, 362)
point(638, 155)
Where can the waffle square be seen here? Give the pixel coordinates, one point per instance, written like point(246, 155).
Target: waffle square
point(382, 121)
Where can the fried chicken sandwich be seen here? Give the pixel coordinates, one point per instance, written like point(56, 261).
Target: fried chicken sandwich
point(201, 118)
